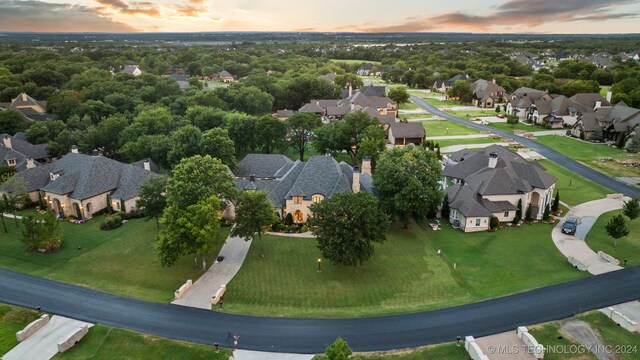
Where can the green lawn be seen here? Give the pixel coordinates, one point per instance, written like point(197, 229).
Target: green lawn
point(446, 127)
point(627, 247)
point(409, 106)
point(519, 126)
point(103, 342)
point(612, 335)
point(447, 351)
point(440, 103)
point(604, 90)
point(404, 275)
point(485, 140)
point(120, 261)
point(12, 320)
point(589, 154)
point(472, 114)
point(574, 189)
point(354, 61)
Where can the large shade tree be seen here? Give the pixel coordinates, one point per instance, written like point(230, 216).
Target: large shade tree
point(347, 225)
point(300, 128)
point(406, 182)
point(254, 213)
point(153, 197)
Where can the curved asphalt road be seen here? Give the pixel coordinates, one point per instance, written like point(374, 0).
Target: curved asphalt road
point(313, 335)
point(545, 151)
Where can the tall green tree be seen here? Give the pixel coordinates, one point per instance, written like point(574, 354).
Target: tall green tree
point(461, 90)
point(349, 79)
point(406, 182)
point(216, 143)
point(193, 230)
point(271, 134)
point(153, 197)
point(339, 239)
point(254, 213)
point(11, 122)
point(185, 142)
point(399, 94)
point(300, 128)
point(616, 228)
point(41, 234)
point(347, 135)
point(631, 208)
point(556, 202)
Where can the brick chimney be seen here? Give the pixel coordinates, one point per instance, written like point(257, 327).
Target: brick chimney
point(609, 95)
point(74, 149)
point(6, 140)
point(493, 160)
point(30, 163)
point(366, 165)
point(356, 180)
point(350, 90)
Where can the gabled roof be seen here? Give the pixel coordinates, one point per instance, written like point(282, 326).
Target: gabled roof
point(284, 114)
point(512, 175)
point(311, 107)
point(261, 165)
point(38, 151)
point(407, 130)
point(320, 175)
point(84, 176)
point(589, 100)
point(483, 89)
point(130, 69)
point(374, 90)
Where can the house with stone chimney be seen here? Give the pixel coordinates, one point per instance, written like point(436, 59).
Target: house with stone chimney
point(490, 182)
point(17, 152)
point(80, 185)
point(522, 99)
point(30, 108)
point(293, 186)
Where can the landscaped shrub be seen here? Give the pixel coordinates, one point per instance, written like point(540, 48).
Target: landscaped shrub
point(136, 214)
point(494, 222)
point(111, 222)
point(546, 214)
point(288, 220)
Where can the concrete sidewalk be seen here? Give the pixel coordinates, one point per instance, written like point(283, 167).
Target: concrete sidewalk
point(234, 250)
point(43, 344)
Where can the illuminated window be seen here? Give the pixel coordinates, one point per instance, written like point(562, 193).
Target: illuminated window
point(297, 199)
point(317, 198)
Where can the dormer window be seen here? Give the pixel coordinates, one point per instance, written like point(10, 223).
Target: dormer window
point(11, 162)
point(297, 199)
point(317, 198)
point(54, 176)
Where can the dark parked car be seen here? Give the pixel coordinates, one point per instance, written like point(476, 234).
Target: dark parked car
point(569, 226)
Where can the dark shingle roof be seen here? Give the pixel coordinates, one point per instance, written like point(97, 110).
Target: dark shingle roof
point(407, 130)
point(261, 165)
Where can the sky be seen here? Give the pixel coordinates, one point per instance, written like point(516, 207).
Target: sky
point(478, 16)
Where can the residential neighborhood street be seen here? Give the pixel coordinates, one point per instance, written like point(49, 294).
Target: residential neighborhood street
point(313, 335)
point(545, 151)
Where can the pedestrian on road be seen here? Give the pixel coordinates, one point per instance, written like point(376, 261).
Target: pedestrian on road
point(235, 340)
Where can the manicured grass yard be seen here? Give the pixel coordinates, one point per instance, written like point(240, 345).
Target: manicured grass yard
point(103, 342)
point(485, 140)
point(519, 126)
point(441, 103)
point(628, 247)
point(589, 154)
point(12, 320)
point(404, 275)
point(121, 261)
point(446, 127)
point(472, 114)
point(409, 106)
point(613, 335)
point(574, 189)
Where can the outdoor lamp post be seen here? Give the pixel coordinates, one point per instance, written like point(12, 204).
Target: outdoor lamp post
point(319, 261)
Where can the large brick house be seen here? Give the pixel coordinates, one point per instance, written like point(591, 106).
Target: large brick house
point(293, 186)
point(490, 182)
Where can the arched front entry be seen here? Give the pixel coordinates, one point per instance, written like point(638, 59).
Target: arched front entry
point(57, 208)
point(77, 211)
point(535, 205)
point(297, 217)
point(88, 209)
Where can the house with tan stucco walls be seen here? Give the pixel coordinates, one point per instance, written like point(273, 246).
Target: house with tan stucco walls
point(80, 185)
point(293, 186)
point(490, 182)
